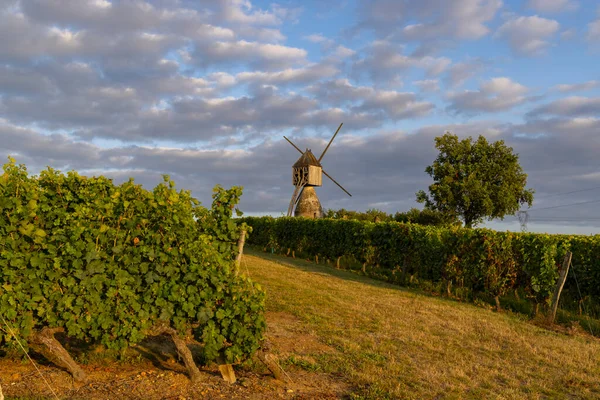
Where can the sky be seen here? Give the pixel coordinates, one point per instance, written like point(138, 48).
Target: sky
point(205, 90)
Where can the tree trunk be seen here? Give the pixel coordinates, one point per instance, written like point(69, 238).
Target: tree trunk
point(498, 306)
point(270, 362)
point(45, 342)
point(186, 355)
point(183, 351)
point(449, 288)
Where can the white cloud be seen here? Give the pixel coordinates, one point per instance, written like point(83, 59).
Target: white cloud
point(574, 106)
point(261, 54)
point(460, 72)
point(428, 85)
point(497, 94)
point(438, 19)
point(385, 60)
point(593, 30)
point(319, 38)
point(222, 79)
point(528, 35)
point(307, 74)
point(393, 104)
point(577, 87)
point(342, 52)
point(552, 6)
point(397, 105)
point(241, 11)
point(568, 34)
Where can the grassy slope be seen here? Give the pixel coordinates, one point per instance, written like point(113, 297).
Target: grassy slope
point(400, 343)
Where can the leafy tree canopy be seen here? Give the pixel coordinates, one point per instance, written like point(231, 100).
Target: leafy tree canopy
point(475, 180)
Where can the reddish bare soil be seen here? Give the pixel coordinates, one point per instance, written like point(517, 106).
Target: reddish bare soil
point(156, 374)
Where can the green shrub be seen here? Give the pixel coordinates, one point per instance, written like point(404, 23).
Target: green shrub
point(107, 262)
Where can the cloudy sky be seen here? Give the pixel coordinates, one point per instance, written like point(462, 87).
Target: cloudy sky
point(205, 90)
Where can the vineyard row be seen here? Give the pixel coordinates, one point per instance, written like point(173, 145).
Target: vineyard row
point(479, 260)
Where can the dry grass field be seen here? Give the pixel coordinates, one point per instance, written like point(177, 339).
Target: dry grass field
point(394, 343)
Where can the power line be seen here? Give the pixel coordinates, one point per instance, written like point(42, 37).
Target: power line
point(564, 219)
point(564, 205)
point(574, 221)
point(571, 192)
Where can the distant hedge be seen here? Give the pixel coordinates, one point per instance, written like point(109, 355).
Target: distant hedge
point(480, 260)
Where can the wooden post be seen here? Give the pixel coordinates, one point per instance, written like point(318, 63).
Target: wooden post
point(227, 373)
point(1, 395)
point(238, 259)
point(226, 370)
point(559, 286)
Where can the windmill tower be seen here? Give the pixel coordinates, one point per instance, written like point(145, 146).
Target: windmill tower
point(306, 175)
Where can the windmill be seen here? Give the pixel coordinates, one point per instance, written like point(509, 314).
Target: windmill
point(306, 175)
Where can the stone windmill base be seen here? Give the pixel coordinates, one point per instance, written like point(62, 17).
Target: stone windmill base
point(309, 205)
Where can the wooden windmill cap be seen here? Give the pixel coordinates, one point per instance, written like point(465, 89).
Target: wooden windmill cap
point(308, 158)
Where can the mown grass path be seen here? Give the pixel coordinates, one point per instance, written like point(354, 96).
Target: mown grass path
point(389, 342)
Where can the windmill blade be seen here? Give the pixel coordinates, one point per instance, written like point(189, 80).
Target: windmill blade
point(329, 144)
point(296, 147)
point(299, 195)
point(294, 200)
point(333, 180)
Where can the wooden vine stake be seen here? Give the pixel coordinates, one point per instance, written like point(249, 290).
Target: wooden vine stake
point(559, 286)
point(1, 395)
point(226, 371)
point(238, 258)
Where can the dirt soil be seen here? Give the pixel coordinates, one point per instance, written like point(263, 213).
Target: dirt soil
point(156, 374)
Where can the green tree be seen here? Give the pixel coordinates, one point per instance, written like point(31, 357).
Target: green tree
point(475, 180)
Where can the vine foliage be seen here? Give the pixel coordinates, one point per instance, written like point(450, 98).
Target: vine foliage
point(108, 262)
